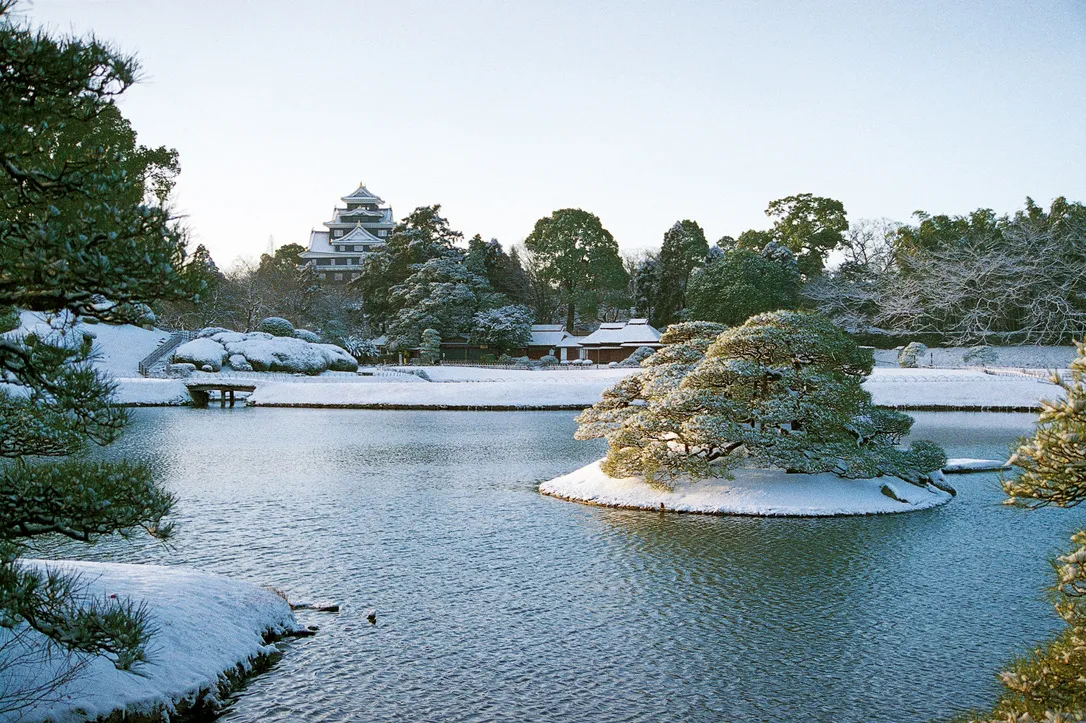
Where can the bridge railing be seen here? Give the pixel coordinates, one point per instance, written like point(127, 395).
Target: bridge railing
point(166, 347)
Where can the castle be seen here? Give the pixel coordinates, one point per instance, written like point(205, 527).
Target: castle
point(336, 253)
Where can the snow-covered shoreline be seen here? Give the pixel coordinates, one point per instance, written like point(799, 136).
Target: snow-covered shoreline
point(466, 388)
point(208, 634)
point(753, 492)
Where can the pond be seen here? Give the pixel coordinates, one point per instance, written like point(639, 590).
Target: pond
point(497, 603)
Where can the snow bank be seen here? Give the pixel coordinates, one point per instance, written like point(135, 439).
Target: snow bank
point(762, 492)
point(1017, 357)
point(205, 627)
point(542, 394)
point(967, 464)
point(119, 348)
point(140, 392)
point(957, 389)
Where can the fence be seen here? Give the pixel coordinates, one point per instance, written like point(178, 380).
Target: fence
point(147, 364)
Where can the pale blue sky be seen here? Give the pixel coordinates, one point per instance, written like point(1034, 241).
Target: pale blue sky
point(643, 113)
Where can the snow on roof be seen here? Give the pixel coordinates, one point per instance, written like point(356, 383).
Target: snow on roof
point(318, 242)
point(635, 332)
point(358, 235)
point(549, 335)
point(362, 194)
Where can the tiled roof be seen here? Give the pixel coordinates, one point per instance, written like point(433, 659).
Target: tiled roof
point(635, 332)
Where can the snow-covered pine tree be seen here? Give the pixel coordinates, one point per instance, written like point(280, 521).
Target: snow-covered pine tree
point(1047, 684)
point(783, 390)
point(430, 346)
point(83, 218)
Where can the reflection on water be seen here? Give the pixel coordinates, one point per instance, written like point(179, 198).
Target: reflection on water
point(497, 603)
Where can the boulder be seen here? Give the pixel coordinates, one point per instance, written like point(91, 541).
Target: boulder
point(201, 352)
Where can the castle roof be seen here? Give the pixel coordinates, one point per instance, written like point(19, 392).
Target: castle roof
point(362, 195)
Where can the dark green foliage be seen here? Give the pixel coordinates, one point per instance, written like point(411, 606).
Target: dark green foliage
point(578, 256)
point(502, 270)
point(684, 249)
point(810, 227)
point(276, 326)
point(739, 285)
point(783, 390)
point(419, 237)
point(84, 229)
point(502, 329)
point(1047, 683)
point(430, 346)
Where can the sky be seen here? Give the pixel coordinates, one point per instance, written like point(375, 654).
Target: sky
point(642, 113)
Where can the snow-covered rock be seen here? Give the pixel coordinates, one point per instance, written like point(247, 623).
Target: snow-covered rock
point(338, 358)
point(280, 354)
point(762, 492)
point(205, 627)
point(201, 352)
point(239, 363)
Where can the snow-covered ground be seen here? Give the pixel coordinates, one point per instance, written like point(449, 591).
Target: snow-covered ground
point(205, 626)
point(763, 492)
point(120, 348)
point(1014, 357)
point(957, 388)
point(541, 392)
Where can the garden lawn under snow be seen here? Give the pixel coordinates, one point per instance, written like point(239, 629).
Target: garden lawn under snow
point(119, 348)
point(205, 626)
point(763, 492)
point(957, 389)
point(466, 388)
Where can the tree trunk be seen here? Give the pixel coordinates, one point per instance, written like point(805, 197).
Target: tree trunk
point(569, 317)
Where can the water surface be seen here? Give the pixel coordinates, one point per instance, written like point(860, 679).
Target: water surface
point(496, 603)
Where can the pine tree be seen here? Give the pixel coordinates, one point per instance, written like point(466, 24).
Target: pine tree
point(430, 346)
point(1047, 684)
point(84, 230)
point(783, 390)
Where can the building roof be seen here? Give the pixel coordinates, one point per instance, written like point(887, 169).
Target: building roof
point(635, 332)
point(318, 243)
point(549, 335)
point(358, 235)
point(362, 195)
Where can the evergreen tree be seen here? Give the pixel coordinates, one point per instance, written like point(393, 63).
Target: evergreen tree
point(684, 249)
point(419, 237)
point(430, 346)
point(442, 294)
point(578, 255)
point(502, 270)
point(783, 390)
point(809, 226)
point(84, 230)
point(1047, 684)
point(646, 282)
point(503, 329)
point(741, 284)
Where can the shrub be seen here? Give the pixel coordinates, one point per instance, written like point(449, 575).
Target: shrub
point(307, 335)
point(239, 363)
point(981, 356)
point(430, 347)
point(488, 358)
point(633, 361)
point(548, 360)
point(910, 356)
point(276, 326)
point(201, 352)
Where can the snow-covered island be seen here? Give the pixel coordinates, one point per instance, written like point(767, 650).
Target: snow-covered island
point(760, 492)
point(769, 418)
point(210, 632)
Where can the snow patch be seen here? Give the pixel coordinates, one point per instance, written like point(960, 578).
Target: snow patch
point(761, 492)
point(205, 626)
